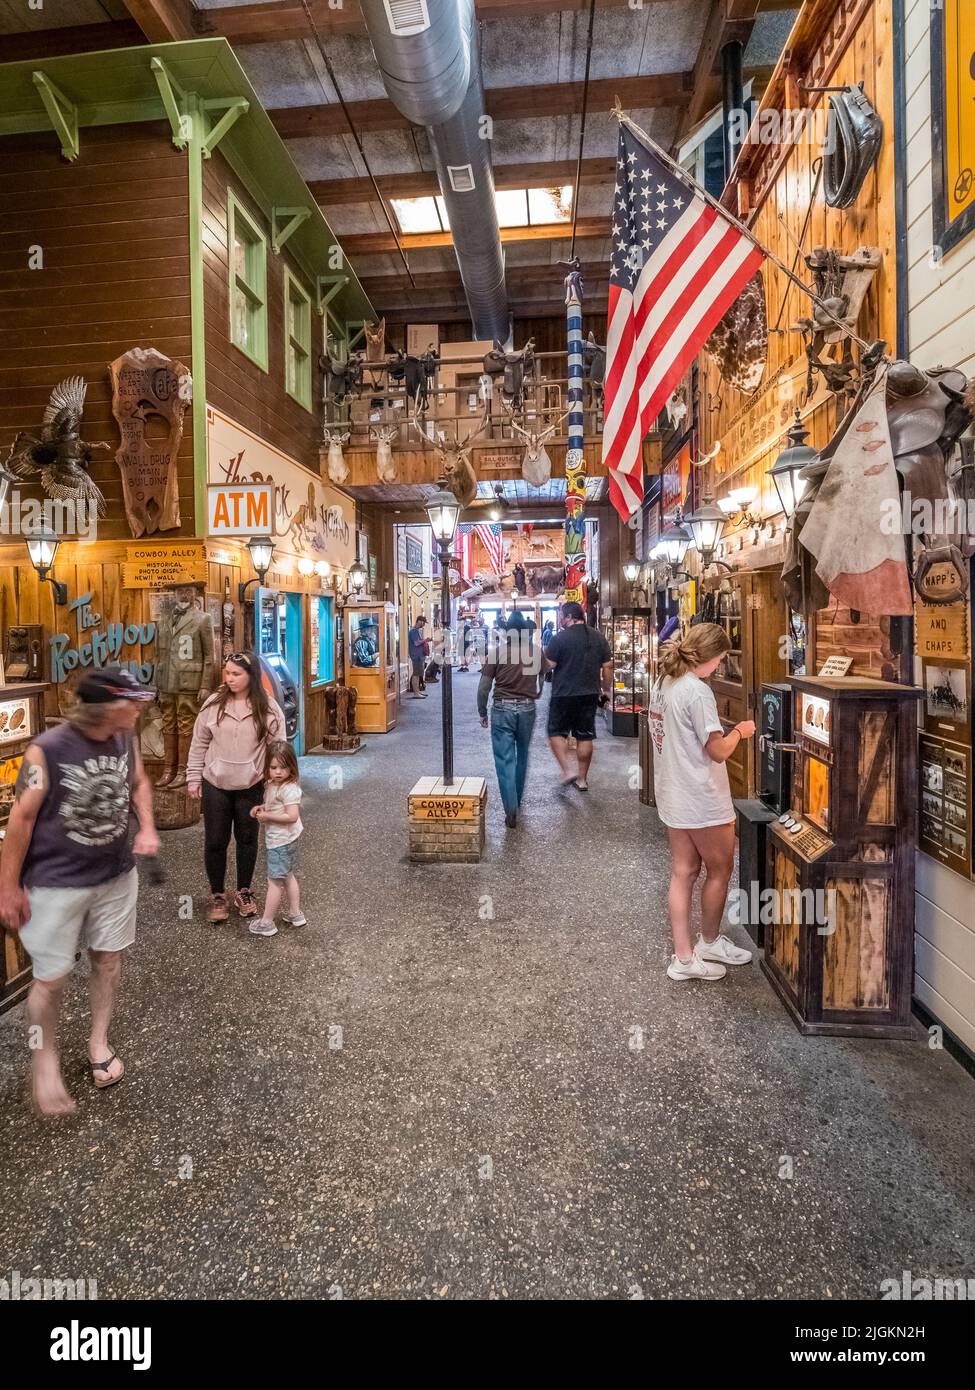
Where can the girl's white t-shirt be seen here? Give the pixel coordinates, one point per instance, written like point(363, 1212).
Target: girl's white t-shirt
point(691, 789)
point(276, 798)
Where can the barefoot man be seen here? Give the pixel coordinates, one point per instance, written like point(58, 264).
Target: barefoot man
point(67, 874)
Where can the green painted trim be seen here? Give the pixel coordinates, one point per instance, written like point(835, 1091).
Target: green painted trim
point(197, 314)
point(120, 86)
point(179, 123)
point(303, 394)
point(325, 296)
point(281, 231)
point(61, 112)
point(236, 212)
point(233, 111)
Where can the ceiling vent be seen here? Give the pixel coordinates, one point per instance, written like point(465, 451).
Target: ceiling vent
point(461, 178)
point(407, 17)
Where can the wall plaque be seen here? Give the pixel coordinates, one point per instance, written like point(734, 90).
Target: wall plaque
point(163, 566)
point(941, 630)
point(147, 387)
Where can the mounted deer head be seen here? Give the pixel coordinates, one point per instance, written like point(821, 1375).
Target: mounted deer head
point(384, 435)
point(337, 468)
point(458, 471)
point(536, 466)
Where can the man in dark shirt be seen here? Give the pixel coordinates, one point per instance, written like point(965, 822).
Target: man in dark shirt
point(512, 665)
point(582, 665)
point(67, 876)
point(419, 650)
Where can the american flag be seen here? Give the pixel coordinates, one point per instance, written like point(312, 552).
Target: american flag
point(462, 550)
point(677, 266)
point(490, 537)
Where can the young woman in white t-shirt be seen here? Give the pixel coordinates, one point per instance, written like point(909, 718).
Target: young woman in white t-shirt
point(693, 797)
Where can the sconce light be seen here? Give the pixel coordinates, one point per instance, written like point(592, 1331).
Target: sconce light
point(736, 506)
point(499, 506)
point(306, 566)
point(261, 550)
point(785, 470)
point(323, 569)
point(357, 577)
point(672, 547)
point(42, 547)
point(631, 570)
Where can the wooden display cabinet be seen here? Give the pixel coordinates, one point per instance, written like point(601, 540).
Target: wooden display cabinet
point(372, 664)
point(751, 609)
point(840, 947)
point(21, 719)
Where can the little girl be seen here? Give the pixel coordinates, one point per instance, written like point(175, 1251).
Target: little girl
point(279, 813)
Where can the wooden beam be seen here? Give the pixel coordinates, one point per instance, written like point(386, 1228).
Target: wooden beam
point(286, 20)
point(540, 174)
point(374, 243)
point(503, 103)
point(163, 21)
point(450, 279)
point(73, 38)
point(727, 20)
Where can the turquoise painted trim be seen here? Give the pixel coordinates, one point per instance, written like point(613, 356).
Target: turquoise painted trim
point(194, 119)
point(292, 285)
point(237, 215)
point(119, 86)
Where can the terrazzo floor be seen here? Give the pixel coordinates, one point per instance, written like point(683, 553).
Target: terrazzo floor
point(475, 1081)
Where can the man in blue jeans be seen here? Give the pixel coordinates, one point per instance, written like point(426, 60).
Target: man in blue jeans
point(512, 665)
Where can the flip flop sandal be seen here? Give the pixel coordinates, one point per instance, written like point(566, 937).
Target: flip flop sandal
point(104, 1066)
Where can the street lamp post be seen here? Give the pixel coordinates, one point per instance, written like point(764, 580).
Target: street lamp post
point(443, 510)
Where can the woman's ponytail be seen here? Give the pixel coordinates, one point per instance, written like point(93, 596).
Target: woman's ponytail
point(701, 643)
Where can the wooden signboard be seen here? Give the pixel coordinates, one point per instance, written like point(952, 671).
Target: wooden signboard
point(944, 800)
point(953, 120)
point(941, 630)
point(147, 384)
point(165, 566)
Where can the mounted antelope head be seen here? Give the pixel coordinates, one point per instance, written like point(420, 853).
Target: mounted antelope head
point(337, 468)
point(536, 466)
point(458, 471)
point(384, 435)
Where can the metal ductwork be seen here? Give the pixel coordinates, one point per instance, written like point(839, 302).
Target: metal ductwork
point(428, 55)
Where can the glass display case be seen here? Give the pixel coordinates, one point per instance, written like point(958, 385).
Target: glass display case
point(630, 632)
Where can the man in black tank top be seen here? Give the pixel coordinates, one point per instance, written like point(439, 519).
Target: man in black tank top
point(67, 876)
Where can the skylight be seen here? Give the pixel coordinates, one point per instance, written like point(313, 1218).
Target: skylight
point(517, 207)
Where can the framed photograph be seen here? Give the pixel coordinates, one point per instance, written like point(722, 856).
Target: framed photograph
point(414, 556)
point(952, 120)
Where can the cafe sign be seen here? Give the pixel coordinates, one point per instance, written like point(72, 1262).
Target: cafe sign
point(309, 518)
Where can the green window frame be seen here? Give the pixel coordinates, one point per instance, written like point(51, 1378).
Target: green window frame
point(297, 340)
point(247, 260)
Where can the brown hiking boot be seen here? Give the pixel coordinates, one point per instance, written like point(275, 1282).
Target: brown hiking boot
point(219, 910)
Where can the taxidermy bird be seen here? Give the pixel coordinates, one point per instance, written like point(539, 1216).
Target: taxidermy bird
point(60, 455)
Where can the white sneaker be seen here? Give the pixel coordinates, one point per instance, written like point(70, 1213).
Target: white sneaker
point(296, 919)
point(723, 950)
point(694, 969)
point(261, 927)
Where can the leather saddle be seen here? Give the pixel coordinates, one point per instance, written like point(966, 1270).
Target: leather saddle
point(855, 134)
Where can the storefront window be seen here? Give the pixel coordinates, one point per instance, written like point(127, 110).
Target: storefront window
point(297, 341)
point(248, 283)
point(321, 653)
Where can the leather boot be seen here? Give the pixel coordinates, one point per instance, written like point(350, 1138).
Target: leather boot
point(170, 756)
point(184, 752)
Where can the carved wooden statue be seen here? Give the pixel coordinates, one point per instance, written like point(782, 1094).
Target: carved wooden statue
point(147, 384)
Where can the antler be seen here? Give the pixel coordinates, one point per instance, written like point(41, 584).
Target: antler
point(477, 433)
point(512, 421)
point(427, 441)
point(552, 428)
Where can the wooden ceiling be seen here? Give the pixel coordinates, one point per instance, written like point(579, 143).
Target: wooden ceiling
point(275, 39)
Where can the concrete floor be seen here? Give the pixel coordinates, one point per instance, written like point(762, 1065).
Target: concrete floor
point(475, 1082)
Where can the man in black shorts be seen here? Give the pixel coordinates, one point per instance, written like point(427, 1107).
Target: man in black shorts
point(582, 665)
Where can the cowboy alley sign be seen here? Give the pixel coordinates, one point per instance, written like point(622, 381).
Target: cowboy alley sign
point(309, 518)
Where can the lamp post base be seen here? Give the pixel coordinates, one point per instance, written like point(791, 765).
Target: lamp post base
point(446, 820)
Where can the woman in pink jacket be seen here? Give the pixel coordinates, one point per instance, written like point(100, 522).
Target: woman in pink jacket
point(226, 767)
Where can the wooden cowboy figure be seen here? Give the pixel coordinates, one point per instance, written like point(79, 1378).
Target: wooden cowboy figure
point(184, 679)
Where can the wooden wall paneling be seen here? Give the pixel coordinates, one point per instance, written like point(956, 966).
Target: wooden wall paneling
point(115, 237)
point(236, 385)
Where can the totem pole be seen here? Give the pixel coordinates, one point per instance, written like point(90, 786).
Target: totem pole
point(575, 466)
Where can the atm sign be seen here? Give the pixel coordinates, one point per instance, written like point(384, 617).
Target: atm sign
point(240, 509)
